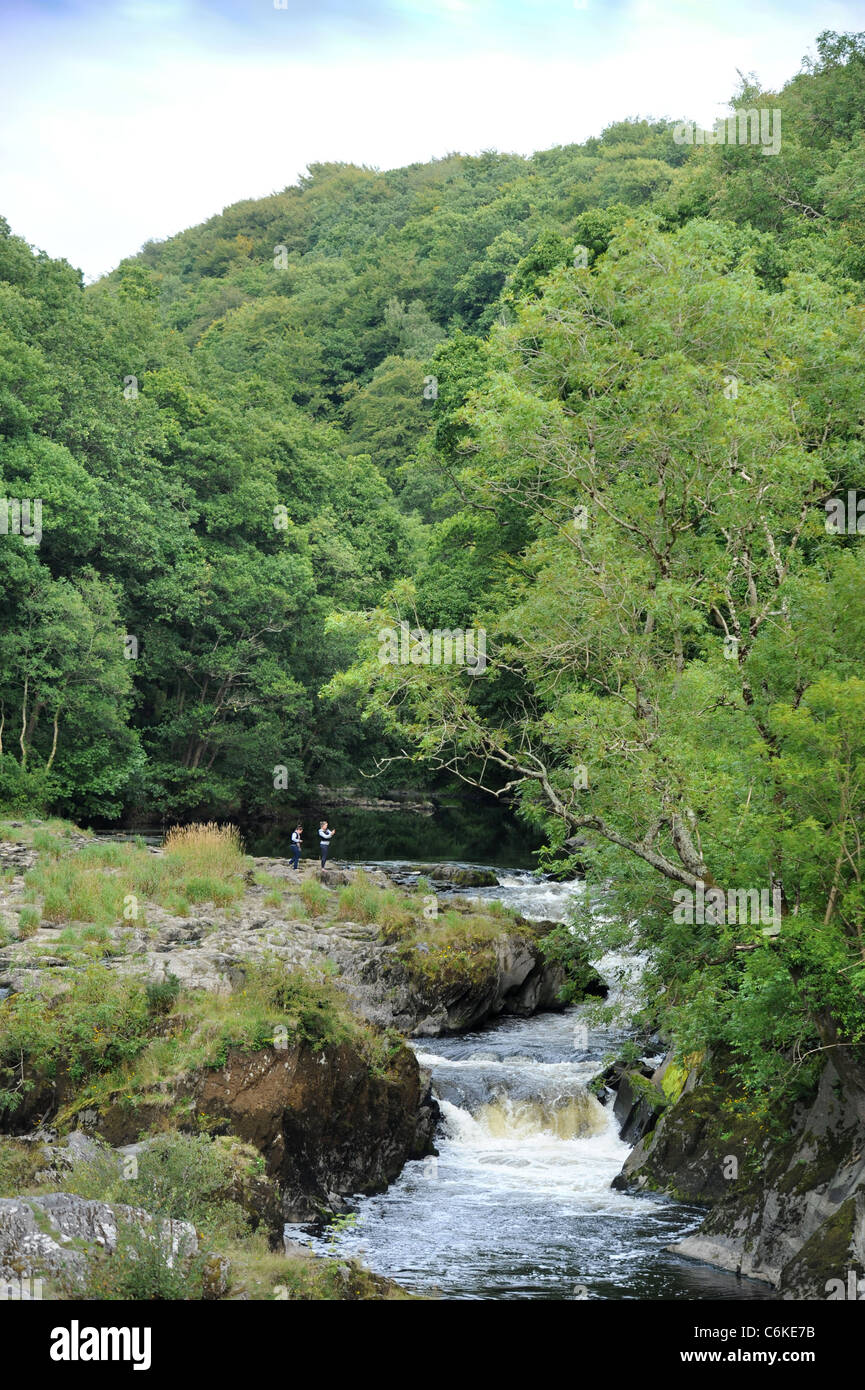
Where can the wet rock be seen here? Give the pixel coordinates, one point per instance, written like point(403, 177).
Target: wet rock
point(831, 1263)
point(786, 1211)
point(513, 979)
point(461, 878)
point(638, 1102)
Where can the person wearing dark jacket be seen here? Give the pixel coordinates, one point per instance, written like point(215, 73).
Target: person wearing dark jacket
point(324, 838)
point(295, 845)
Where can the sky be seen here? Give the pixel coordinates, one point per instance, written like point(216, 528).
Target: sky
point(123, 121)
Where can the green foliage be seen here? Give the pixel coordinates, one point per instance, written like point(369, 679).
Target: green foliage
point(378, 397)
point(565, 946)
point(19, 1164)
point(640, 459)
point(86, 1032)
point(180, 1177)
point(144, 1265)
point(111, 1038)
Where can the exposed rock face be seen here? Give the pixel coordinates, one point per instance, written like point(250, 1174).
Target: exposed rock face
point(36, 1233)
point(326, 1125)
point(18, 857)
point(637, 1103)
point(791, 1213)
point(415, 802)
point(60, 1159)
point(640, 1093)
point(516, 980)
point(209, 950)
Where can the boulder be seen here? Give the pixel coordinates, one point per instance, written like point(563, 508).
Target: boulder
point(638, 1102)
point(461, 878)
point(327, 1124)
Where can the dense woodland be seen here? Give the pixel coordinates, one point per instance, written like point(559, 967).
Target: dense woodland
point(620, 474)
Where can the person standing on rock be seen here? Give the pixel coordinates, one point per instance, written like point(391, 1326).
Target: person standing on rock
point(324, 838)
point(296, 836)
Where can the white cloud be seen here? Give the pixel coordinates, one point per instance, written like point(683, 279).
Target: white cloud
point(104, 154)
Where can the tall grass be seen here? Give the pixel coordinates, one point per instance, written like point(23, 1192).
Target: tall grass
point(360, 901)
point(211, 850)
point(201, 863)
point(315, 897)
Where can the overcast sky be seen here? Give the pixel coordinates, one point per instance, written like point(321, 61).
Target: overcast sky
point(125, 120)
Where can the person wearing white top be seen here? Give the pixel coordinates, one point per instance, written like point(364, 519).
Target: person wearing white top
point(324, 838)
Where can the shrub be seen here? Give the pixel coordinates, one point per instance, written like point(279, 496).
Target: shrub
point(184, 1177)
point(162, 995)
point(313, 1010)
point(143, 1267)
point(19, 1164)
point(90, 1029)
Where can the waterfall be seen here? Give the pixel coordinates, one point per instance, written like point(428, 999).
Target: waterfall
point(518, 1202)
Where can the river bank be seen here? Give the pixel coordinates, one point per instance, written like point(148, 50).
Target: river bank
point(254, 1003)
point(385, 1045)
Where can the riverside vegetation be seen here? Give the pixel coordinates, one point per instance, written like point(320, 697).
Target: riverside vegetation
point(603, 404)
point(199, 1045)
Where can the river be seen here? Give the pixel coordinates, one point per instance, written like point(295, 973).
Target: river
point(518, 1202)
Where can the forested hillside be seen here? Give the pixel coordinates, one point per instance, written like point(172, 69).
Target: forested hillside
point(251, 431)
point(601, 411)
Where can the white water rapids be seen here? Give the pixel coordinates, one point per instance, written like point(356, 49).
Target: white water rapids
point(518, 1202)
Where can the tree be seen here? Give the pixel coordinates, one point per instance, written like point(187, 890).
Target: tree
point(670, 431)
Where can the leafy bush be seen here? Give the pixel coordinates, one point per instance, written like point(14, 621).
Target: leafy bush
point(185, 1177)
point(94, 1027)
point(19, 1164)
point(142, 1268)
point(162, 994)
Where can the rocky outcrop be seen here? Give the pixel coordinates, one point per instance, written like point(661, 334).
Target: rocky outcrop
point(788, 1200)
point(637, 1102)
point(327, 1124)
point(461, 878)
point(356, 799)
point(50, 1235)
point(209, 949)
point(512, 977)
